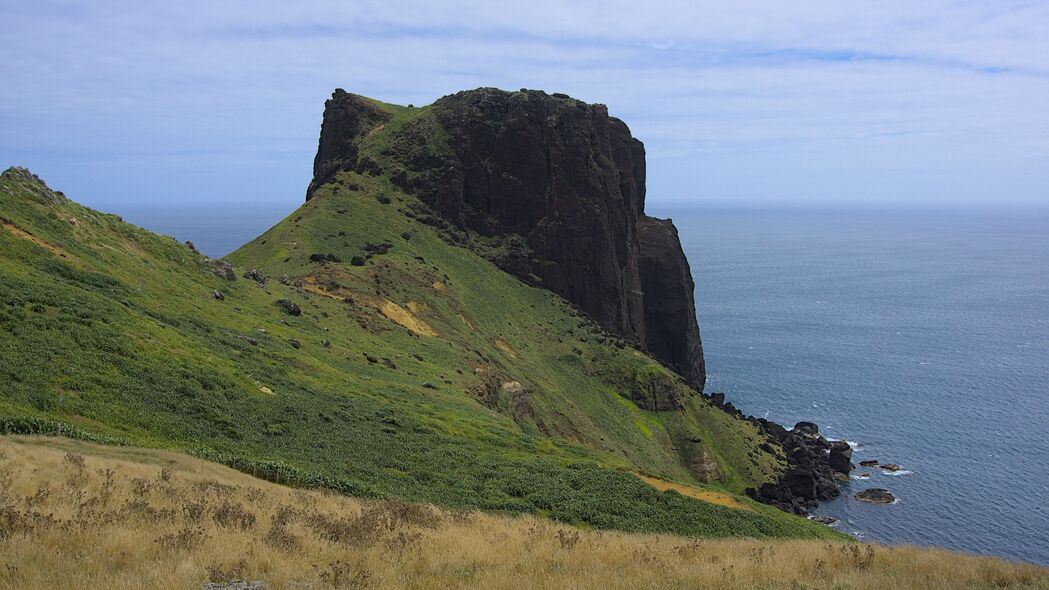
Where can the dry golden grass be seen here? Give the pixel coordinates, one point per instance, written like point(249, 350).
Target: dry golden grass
point(75, 515)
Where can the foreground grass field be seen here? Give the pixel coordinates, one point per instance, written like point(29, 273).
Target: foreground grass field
point(78, 515)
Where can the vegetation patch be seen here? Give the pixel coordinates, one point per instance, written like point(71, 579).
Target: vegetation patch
point(82, 515)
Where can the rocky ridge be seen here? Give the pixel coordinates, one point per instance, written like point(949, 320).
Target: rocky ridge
point(560, 184)
point(561, 180)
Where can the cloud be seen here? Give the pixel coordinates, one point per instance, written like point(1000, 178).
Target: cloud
point(744, 101)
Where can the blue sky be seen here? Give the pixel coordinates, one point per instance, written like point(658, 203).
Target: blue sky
point(742, 103)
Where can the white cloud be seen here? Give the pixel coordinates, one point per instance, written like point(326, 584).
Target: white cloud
point(753, 95)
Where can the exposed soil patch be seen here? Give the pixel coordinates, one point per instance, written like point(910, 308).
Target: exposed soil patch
point(21, 233)
point(711, 496)
point(503, 346)
point(402, 316)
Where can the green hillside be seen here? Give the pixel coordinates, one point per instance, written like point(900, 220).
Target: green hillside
point(387, 363)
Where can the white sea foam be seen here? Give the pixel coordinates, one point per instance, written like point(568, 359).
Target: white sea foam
point(900, 472)
point(852, 444)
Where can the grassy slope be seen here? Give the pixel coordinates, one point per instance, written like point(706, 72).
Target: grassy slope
point(85, 516)
point(114, 331)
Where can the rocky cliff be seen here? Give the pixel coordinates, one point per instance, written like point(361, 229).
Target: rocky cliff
point(670, 310)
point(561, 174)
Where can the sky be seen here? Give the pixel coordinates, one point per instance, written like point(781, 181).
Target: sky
point(743, 102)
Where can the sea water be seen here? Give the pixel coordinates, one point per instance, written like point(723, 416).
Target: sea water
point(920, 336)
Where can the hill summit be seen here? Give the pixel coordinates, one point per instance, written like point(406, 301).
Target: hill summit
point(563, 180)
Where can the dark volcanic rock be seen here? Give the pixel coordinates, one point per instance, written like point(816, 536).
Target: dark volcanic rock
point(672, 332)
point(810, 478)
point(319, 257)
point(876, 496)
point(347, 117)
point(869, 463)
point(841, 456)
point(256, 275)
point(223, 269)
point(890, 467)
point(807, 428)
point(289, 307)
point(801, 483)
point(560, 176)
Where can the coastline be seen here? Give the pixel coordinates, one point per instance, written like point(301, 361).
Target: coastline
point(816, 466)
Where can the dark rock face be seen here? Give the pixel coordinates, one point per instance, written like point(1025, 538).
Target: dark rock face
point(347, 117)
point(561, 181)
point(841, 456)
point(562, 174)
point(672, 331)
point(807, 428)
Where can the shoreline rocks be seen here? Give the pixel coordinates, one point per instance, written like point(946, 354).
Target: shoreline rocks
point(816, 467)
point(875, 496)
point(841, 457)
point(811, 477)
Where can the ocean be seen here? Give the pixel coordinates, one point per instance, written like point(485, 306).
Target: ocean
point(922, 337)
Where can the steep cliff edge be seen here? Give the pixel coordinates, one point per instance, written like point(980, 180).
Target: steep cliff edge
point(561, 174)
point(670, 310)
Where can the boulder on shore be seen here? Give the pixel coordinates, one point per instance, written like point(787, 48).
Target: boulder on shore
point(876, 496)
point(841, 456)
point(806, 428)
